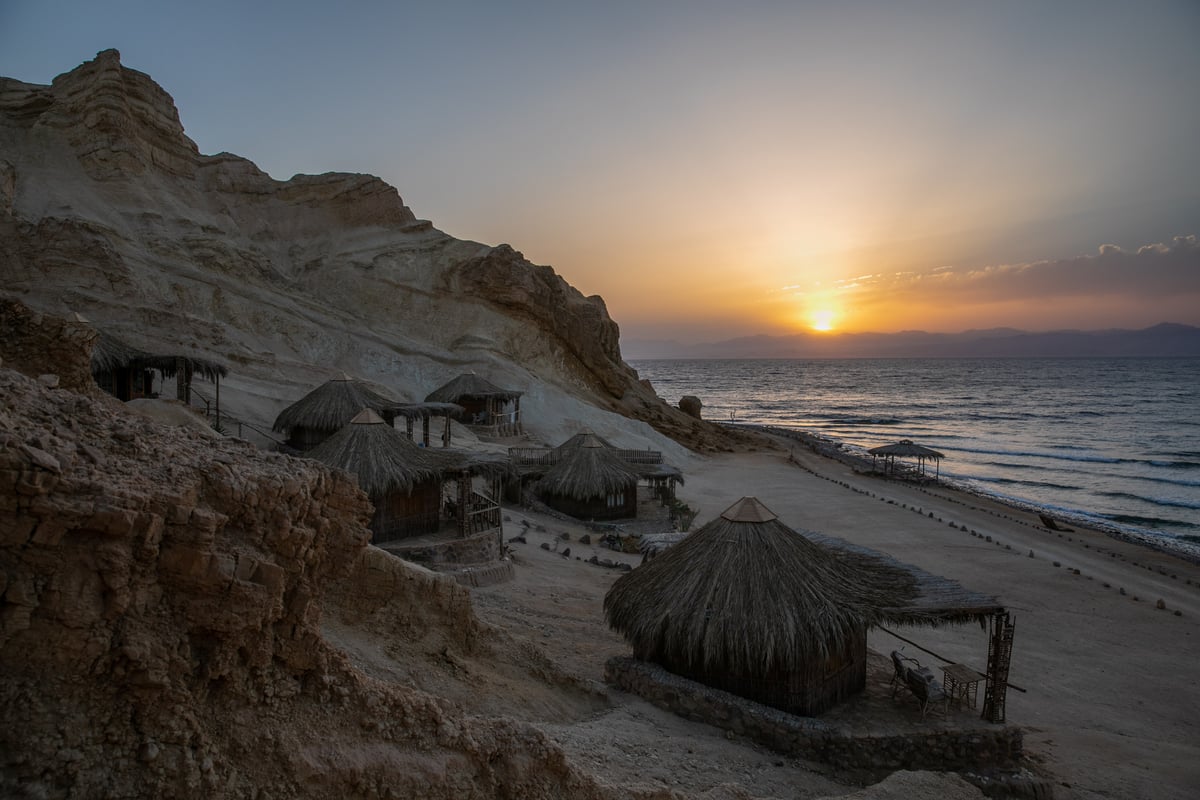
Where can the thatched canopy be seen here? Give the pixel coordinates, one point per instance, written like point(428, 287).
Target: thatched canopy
point(591, 470)
point(905, 449)
point(426, 410)
point(747, 594)
point(383, 458)
point(937, 600)
point(332, 405)
point(467, 386)
point(110, 354)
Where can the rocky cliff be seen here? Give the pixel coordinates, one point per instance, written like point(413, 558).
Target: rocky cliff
point(108, 209)
point(162, 596)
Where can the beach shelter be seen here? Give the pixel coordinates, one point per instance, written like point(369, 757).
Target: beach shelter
point(484, 404)
point(404, 481)
point(590, 482)
point(906, 449)
point(751, 606)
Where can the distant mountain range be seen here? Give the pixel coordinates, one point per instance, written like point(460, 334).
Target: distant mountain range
point(1164, 340)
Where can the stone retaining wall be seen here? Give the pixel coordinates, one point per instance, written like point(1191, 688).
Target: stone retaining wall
point(808, 737)
point(481, 548)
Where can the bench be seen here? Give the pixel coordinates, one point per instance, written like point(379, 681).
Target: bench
point(920, 681)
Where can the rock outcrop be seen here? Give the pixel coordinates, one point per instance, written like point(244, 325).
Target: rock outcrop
point(161, 599)
point(108, 209)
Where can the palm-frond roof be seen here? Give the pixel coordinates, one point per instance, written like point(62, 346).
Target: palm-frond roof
point(111, 353)
point(749, 594)
point(383, 458)
point(332, 405)
point(905, 448)
point(469, 385)
point(591, 470)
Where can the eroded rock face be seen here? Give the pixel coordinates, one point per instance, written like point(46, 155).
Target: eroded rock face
point(109, 210)
point(160, 626)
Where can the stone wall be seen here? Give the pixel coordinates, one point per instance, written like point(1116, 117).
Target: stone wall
point(811, 738)
point(480, 548)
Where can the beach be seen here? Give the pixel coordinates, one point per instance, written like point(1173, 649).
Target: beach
point(1109, 709)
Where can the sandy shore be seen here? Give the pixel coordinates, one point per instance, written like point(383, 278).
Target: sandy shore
point(1111, 709)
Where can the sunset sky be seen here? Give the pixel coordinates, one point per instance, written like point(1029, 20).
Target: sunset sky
point(723, 169)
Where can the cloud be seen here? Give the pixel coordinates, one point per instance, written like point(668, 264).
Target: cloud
point(1153, 270)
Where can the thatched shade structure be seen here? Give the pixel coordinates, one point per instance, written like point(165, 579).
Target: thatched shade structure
point(327, 409)
point(591, 482)
point(484, 404)
point(753, 607)
point(906, 449)
point(125, 371)
point(404, 481)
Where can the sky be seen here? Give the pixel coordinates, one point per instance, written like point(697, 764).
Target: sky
point(723, 169)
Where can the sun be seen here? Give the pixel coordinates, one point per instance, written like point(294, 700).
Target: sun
point(822, 320)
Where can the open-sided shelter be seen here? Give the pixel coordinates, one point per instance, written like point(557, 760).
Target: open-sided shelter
point(750, 606)
point(484, 404)
point(127, 372)
point(905, 448)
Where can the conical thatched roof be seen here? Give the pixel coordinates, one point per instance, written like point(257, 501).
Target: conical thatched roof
point(591, 470)
point(332, 405)
point(382, 457)
point(747, 594)
point(469, 385)
point(905, 449)
point(583, 438)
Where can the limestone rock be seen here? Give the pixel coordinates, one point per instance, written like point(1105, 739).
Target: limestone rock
point(107, 209)
point(690, 405)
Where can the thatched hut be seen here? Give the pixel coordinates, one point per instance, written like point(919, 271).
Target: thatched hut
point(484, 404)
point(327, 409)
point(127, 372)
point(404, 481)
point(415, 489)
point(905, 448)
point(748, 605)
point(591, 482)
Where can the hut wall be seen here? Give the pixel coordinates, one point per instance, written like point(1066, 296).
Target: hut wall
point(815, 688)
point(622, 505)
point(401, 514)
point(303, 438)
point(473, 406)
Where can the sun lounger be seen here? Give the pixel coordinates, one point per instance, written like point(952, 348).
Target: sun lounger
point(920, 681)
point(1054, 526)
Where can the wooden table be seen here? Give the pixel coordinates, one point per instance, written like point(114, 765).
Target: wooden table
point(962, 683)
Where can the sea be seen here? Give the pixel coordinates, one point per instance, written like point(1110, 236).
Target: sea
point(1112, 443)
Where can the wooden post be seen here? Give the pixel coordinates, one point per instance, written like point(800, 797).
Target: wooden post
point(446, 433)
point(181, 387)
point(408, 428)
point(218, 400)
point(999, 659)
point(464, 504)
point(425, 429)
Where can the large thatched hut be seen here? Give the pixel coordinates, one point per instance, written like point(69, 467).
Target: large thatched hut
point(403, 480)
point(533, 463)
point(416, 490)
point(748, 605)
point(485, 405)
point(591, 482)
